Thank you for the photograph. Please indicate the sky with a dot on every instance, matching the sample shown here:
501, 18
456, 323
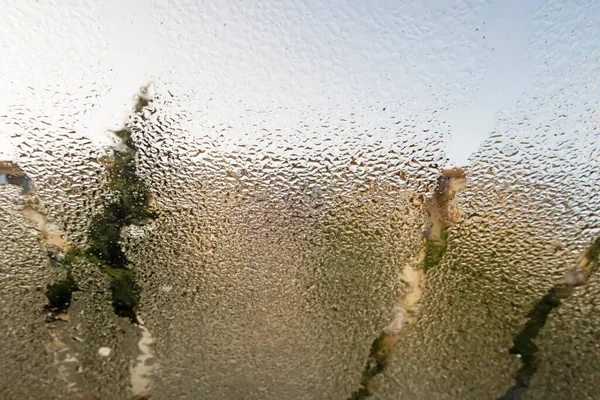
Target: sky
466, 62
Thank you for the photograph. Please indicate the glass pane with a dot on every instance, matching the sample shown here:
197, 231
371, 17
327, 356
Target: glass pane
299, 200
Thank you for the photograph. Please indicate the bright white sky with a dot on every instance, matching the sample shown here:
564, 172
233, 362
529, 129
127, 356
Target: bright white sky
467, 60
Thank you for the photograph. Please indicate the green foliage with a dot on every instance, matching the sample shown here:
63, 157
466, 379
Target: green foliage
60, 293
130, 205
525, 347
375, 366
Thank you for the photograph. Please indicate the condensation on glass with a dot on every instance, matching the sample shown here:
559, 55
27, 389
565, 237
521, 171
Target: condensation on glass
299, 200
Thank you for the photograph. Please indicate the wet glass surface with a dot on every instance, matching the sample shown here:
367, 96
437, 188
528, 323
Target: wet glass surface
299, 200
